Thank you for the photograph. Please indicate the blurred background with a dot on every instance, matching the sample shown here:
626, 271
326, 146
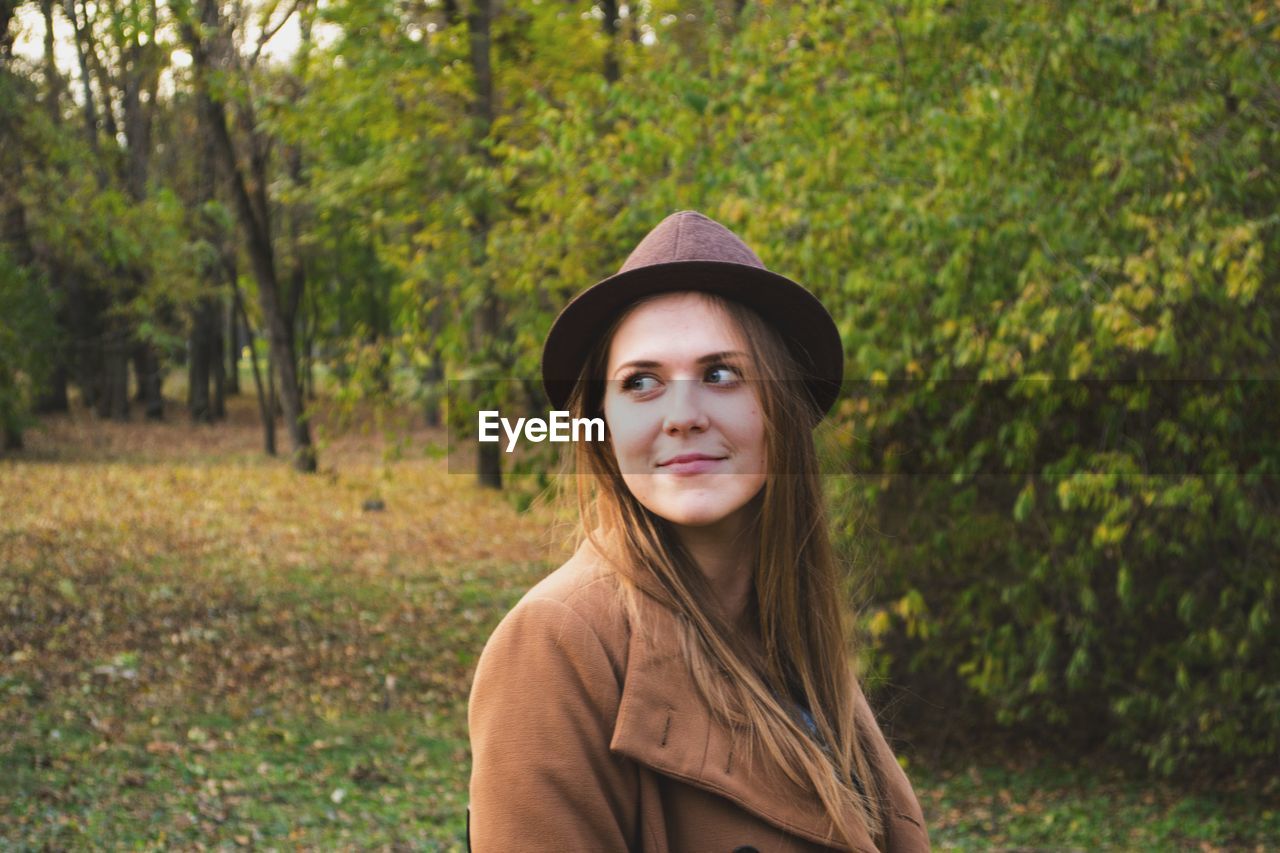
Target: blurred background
244, 246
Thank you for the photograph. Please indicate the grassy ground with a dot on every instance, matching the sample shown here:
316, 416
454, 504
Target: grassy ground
1052, 803
199, 648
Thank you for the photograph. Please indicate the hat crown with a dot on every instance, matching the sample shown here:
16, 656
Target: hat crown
690, 236
691, 252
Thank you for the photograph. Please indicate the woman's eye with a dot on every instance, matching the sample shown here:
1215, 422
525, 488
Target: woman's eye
640, 383
722, 374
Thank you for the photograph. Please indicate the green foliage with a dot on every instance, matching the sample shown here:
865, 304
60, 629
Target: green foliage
1097, 202
27, 338
93, 243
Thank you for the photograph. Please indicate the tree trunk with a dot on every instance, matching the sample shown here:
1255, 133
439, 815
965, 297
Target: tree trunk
264, 411
12, 436
432, 378
10, 418
54, 396
198, 365
233, 347
87, 102
610, 24
479, 22
146, 365
208, 318
15, 236
309, 322
489, 466
217, 365
309, 361
205, 367
113, 386
139, 78
254, 216
53, 96
273, 402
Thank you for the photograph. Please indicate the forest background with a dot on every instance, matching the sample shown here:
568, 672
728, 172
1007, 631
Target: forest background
1047, 232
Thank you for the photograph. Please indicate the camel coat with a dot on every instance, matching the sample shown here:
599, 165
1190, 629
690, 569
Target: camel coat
585, 738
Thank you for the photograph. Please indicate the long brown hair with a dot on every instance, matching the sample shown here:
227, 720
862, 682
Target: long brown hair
803, 651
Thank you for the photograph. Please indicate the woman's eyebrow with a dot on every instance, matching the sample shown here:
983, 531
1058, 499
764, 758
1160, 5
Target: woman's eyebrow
636, 363
727, 355
709, 358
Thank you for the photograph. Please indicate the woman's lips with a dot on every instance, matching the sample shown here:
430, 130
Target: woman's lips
690, 463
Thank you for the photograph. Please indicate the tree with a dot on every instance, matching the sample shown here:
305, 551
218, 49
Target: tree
27, 333
203, 32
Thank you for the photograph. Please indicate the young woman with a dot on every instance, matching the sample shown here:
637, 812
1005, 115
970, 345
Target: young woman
683, 682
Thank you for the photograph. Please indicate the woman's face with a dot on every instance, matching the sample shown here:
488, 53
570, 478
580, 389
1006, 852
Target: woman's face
686, 426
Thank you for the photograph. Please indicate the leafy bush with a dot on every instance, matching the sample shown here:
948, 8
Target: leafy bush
1080, 313
26, 335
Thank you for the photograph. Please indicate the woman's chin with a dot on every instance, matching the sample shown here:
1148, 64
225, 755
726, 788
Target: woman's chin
698, 514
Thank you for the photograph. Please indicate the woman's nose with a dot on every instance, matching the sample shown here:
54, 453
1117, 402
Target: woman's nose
685, 412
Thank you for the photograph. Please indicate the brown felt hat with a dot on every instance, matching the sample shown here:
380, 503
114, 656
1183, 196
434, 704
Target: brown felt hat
689, 251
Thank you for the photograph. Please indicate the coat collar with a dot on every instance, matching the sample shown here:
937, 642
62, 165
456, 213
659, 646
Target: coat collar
663, 724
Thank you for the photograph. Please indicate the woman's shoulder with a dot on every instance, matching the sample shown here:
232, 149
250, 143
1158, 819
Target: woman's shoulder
582, 598
583, 582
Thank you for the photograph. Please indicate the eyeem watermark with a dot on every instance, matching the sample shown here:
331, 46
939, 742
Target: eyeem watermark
558, 427
956, 429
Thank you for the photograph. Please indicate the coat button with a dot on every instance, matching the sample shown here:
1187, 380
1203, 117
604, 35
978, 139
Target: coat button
746, 848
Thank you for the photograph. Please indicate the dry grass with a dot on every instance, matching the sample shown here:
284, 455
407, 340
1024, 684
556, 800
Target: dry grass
147, 490
179, 607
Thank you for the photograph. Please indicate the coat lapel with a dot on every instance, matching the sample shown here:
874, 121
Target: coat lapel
664, 724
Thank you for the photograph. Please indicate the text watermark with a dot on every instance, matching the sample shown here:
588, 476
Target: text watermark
558, 427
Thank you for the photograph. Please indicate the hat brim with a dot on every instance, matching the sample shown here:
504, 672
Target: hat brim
805, 325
